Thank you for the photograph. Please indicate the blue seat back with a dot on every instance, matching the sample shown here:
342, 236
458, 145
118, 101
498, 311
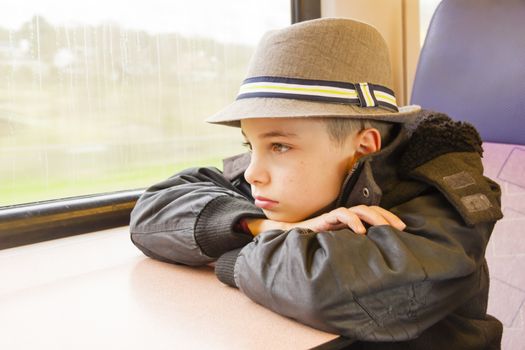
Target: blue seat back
472, 66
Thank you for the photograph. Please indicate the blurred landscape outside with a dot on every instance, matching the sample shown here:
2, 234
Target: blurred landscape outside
88, 109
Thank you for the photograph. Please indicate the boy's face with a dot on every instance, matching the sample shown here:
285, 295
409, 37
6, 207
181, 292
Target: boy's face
296, 170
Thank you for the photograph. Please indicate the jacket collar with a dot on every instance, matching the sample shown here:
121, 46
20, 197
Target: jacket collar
374, 172
417, 142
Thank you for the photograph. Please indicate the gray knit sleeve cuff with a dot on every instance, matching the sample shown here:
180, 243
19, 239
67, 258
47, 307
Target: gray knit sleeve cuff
225, 267
214, 228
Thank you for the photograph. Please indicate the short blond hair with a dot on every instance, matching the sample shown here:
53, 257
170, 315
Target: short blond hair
340, 128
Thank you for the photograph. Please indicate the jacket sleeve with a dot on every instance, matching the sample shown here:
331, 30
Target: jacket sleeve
389, 285
189, 218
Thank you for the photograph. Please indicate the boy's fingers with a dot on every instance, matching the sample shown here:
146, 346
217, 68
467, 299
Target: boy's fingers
350, 219
331, 219
392, 219
353, 218
369, 215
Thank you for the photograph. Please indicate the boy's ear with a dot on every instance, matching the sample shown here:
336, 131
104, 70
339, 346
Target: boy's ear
368, 141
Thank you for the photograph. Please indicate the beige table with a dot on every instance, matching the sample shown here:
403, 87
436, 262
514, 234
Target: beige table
97, 291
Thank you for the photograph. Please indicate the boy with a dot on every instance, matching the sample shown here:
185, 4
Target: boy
349, 214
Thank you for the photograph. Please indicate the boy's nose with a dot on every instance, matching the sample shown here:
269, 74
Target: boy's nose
256, 173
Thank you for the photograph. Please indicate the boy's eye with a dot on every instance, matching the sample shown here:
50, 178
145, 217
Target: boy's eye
247, 145
279, 147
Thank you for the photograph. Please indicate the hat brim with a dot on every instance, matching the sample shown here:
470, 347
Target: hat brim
260, 107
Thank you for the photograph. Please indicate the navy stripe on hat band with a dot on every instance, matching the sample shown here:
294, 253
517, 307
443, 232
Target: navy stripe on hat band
298, 81
361, 94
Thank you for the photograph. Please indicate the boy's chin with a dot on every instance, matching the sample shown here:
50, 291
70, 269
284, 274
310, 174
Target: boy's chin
288, 216
284, 217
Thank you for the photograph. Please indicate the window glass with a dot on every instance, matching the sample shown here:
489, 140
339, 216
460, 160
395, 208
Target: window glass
101, 96
426, 10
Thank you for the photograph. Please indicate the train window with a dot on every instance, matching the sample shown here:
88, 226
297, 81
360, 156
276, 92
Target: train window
110, 95
426, 10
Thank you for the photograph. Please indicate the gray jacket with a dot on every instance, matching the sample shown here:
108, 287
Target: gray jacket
424, 287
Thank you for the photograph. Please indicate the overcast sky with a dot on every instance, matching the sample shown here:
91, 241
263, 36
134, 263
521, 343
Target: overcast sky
226, 20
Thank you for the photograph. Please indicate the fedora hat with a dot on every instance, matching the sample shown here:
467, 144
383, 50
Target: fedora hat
329, 67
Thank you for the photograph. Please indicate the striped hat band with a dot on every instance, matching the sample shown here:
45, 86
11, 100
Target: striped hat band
361, 94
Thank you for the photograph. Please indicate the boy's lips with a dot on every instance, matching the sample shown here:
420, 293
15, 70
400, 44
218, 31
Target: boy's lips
265, 203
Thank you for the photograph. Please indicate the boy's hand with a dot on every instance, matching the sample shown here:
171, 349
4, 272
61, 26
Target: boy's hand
337, 219
352, 218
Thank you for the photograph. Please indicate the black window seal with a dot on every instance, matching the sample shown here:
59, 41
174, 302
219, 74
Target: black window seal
46, 220
303, 10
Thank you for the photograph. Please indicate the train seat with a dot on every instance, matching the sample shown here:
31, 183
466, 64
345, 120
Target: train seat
471, 67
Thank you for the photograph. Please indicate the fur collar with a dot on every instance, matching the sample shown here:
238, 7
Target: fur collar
435, 134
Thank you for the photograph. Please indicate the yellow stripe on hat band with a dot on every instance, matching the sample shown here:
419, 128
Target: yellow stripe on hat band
361, 94
309, 89
383, 96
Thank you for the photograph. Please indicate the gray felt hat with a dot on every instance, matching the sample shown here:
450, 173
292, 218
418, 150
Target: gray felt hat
329, 67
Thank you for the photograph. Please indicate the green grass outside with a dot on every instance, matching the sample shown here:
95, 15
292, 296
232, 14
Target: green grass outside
28, 191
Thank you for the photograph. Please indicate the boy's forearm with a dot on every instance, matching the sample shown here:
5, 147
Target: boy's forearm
189, 218
366, 288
